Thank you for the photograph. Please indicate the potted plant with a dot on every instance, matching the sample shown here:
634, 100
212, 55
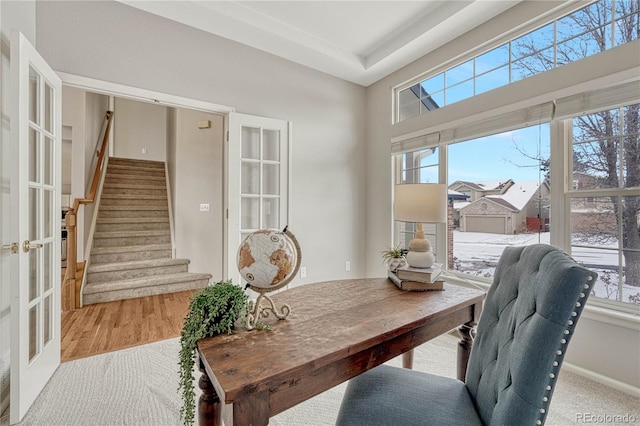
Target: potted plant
393, 257
213, 310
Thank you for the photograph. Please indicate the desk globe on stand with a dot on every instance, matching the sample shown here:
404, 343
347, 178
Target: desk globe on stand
268, 260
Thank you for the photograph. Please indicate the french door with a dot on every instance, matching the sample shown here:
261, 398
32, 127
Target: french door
257, 190
35, 224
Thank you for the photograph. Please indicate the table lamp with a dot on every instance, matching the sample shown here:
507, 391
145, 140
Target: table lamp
420, 203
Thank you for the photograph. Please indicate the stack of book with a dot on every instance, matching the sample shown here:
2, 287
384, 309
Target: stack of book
418, 279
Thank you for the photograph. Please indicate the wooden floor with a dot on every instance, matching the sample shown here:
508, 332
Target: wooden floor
106, 327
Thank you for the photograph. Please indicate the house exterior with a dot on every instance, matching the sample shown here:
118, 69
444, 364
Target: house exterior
503, 207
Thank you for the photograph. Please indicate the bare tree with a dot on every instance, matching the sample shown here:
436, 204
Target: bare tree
606, 144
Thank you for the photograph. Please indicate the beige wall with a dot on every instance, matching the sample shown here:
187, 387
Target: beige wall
197, 170
138, 127
329, 148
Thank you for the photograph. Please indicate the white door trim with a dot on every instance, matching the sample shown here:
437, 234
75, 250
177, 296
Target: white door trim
143, 95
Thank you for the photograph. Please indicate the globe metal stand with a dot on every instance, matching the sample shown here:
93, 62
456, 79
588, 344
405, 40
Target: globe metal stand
256, 310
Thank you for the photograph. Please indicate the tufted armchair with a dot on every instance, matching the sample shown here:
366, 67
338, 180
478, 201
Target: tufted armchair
529, 316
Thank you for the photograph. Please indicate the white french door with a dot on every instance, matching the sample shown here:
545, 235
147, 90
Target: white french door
35, 224
257, 190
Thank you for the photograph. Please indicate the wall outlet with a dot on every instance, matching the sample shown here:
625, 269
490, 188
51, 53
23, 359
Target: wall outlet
347, 266
204, 207
144, 150
303, 272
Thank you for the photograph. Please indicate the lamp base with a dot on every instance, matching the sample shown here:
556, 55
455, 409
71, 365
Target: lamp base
420, 259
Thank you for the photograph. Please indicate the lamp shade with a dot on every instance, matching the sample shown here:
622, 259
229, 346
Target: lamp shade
421, 202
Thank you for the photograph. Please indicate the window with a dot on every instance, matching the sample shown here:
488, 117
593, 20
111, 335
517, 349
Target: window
498, 195
605, 205
585, 32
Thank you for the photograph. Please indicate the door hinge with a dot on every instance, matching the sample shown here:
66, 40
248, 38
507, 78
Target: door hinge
227, 136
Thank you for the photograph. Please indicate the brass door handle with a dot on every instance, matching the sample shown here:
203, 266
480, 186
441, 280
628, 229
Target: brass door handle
27, 245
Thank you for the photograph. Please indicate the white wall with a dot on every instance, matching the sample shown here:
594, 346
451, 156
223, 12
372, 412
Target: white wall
618, 359
21, 16
198, 180
138, 127
104, 40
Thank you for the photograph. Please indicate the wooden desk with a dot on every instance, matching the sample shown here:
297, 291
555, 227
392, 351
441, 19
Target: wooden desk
337, 330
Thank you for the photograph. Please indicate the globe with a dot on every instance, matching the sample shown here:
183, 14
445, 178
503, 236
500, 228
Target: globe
268, 259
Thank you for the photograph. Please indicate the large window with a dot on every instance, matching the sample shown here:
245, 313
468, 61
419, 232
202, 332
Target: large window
605, 200
572, 181
585, 32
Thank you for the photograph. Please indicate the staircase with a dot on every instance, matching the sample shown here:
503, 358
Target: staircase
131, 252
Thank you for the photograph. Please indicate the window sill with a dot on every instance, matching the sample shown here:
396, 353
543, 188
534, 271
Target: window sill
593, 312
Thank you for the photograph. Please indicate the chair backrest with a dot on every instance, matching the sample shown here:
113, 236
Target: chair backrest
528, 318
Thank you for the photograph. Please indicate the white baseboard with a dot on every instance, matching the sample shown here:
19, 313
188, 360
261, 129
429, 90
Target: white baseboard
607, 381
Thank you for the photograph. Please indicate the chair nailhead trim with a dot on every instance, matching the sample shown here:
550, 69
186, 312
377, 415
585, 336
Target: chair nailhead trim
558, 352
542, 411
538, 422
563, 341
555, 363
573, 314
552, 376
578, 304
545, 399
570, 322
589, 278
548, 387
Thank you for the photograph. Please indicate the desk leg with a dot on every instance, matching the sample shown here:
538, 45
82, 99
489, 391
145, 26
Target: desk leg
209, 407
407, 360
464, 348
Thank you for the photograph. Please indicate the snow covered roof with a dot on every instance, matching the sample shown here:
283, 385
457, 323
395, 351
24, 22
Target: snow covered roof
518, 195
488, 185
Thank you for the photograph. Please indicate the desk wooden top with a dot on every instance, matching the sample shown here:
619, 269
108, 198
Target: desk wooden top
329, 321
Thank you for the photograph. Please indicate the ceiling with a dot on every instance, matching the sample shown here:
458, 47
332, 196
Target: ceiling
358, 41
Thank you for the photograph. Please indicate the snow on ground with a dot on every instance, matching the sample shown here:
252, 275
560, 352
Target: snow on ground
477, 253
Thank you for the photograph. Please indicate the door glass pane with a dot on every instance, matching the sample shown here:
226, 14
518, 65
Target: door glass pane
47, 179
270, 213
250, 180
34, 208
48, 108
250, 143
271, 145
33, 96
33, 332
250, 209
48, 321
34, 289
34, 155
47, 212
271, 179
47, 252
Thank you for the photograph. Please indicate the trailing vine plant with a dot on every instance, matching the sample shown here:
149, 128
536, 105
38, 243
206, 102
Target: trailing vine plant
213, 310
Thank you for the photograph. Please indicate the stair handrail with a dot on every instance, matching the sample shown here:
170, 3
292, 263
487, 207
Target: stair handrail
70, 287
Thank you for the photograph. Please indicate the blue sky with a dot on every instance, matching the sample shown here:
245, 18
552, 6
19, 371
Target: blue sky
496, 157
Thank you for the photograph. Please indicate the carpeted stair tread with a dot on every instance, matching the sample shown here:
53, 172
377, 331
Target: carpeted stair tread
132, 283
134, 207
135, 264
121, 234
125, 249
121, 220
134, 197
122, 176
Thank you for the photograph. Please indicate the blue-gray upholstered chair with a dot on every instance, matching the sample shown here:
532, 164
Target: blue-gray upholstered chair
528, 318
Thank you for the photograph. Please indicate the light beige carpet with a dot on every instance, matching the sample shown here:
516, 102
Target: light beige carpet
138, 386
